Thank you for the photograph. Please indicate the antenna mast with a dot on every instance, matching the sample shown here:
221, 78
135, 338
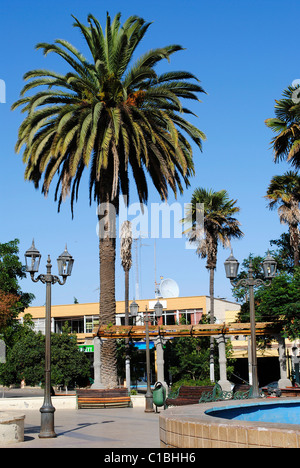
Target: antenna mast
137, 286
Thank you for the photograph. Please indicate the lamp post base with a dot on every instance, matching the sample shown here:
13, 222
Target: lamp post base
149, 403
47, 435
47, 422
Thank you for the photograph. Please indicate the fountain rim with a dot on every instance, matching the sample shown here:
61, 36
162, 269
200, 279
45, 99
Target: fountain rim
191, 426
254, 403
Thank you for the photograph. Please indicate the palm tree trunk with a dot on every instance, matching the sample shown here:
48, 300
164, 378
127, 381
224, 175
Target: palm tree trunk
212, 319
294, 241
107, 254
126, 297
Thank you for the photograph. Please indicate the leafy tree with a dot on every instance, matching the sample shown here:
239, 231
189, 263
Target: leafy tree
284, 254
13, 300
285, 266
241, 292
11, 271
280, 302
69, 366
188, 359
26, 359
7, 301
115, 117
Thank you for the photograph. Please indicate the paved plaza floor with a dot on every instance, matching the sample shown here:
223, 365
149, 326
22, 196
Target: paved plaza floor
118, 428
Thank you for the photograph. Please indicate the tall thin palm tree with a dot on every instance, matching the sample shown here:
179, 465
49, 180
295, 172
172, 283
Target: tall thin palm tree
126, 261
219, 225
116, 117
286, 126
284, 193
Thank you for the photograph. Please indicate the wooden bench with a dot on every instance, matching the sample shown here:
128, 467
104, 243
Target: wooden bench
108, 398
188, 395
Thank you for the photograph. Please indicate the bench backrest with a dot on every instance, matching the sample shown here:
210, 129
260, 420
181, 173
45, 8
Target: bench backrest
193, 392
241, 388
103, 393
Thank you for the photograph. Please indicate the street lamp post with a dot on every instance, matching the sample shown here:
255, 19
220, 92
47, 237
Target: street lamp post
149, 395
65, 265
269, 268
158, 313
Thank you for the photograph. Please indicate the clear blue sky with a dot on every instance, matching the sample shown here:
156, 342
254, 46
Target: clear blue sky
244, 52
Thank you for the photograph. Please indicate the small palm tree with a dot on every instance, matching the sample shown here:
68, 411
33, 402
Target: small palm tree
116, 117
126, 261
219, 226
284, 193
286, 126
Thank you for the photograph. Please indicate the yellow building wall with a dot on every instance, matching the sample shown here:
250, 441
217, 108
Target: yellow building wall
89, 309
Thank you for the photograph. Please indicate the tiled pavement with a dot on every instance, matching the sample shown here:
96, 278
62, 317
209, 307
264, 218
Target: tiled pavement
94, 428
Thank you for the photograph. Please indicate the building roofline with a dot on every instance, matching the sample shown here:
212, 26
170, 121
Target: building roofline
137, 300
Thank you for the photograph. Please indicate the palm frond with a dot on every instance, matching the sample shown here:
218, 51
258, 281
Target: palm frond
108, 115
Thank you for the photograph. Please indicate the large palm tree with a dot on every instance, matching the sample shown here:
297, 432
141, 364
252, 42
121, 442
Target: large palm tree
284, 193
286, 126
215, 211
115, 117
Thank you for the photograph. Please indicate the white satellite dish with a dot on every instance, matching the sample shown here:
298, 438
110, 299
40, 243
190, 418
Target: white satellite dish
169, 288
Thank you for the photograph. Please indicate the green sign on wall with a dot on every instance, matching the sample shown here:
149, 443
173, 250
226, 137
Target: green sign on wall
86, 348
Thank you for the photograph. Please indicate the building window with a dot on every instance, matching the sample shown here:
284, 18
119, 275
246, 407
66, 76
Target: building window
91, 323
39, 325
76, 325
190, 316
122, 320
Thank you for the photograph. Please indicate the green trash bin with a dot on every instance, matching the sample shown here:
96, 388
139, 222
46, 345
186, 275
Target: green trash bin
159, 395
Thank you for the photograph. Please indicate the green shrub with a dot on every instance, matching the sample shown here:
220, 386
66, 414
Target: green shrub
190, 383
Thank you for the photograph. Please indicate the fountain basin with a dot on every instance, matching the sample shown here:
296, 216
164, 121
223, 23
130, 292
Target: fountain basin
286, 412
213, 425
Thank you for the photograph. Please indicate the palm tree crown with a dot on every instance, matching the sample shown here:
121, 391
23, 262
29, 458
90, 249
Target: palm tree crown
284, 193
219, 223
286, 126
109, 116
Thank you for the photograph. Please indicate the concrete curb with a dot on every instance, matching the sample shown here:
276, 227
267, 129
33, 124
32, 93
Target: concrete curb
59, 402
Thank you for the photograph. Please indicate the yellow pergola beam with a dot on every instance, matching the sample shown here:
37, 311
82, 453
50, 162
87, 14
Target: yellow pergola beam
121, 331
